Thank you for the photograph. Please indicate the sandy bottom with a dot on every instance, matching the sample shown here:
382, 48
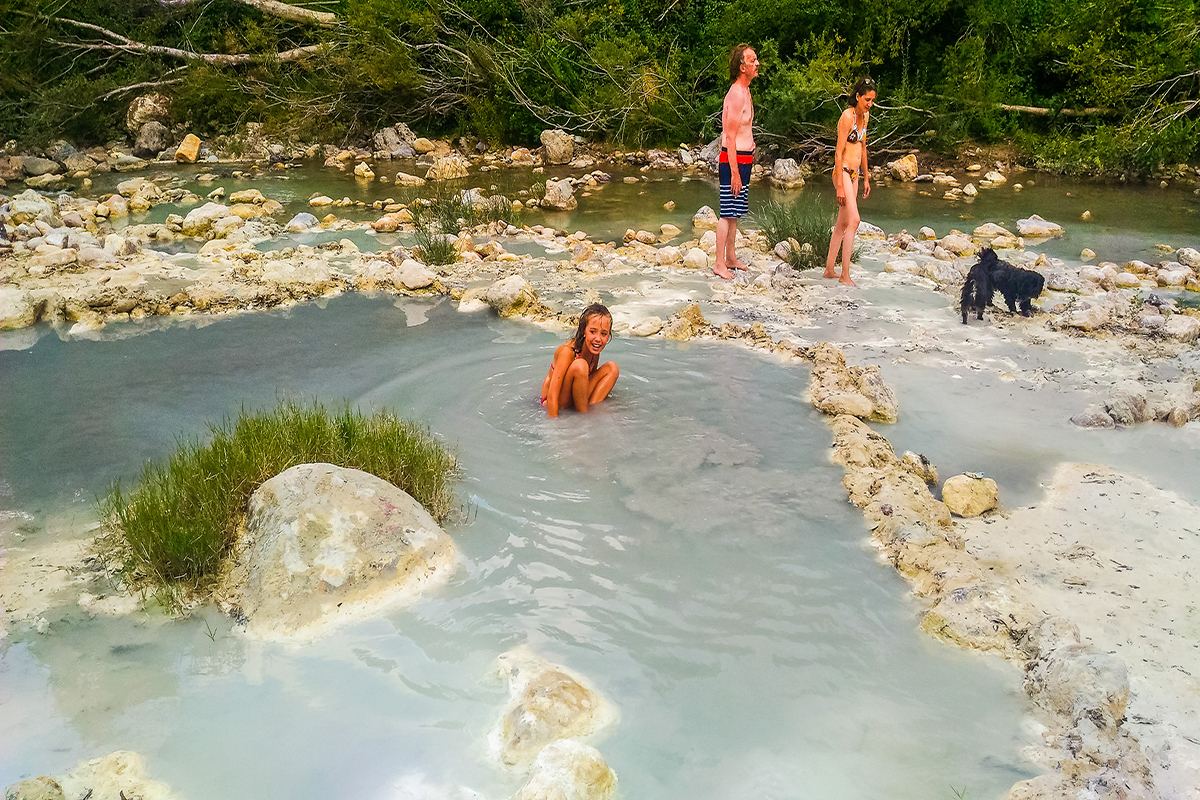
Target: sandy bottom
1121, 559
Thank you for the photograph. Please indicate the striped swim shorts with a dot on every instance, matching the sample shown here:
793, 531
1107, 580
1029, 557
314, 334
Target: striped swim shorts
734, 206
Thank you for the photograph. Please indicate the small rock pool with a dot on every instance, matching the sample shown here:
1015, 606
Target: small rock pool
687, 547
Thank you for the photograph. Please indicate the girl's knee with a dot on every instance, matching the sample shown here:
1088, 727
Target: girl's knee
852, 220
612, 369
578, 367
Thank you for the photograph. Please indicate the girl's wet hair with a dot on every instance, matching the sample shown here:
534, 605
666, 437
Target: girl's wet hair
861, 87
594, 310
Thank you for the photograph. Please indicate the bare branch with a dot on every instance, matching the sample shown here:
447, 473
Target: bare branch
127, 45
1066, 112
145, 85
272, 8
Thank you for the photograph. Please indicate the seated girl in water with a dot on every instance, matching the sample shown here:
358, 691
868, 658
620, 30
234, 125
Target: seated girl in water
577, 377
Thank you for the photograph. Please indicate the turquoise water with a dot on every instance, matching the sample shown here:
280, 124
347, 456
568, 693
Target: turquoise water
688, 547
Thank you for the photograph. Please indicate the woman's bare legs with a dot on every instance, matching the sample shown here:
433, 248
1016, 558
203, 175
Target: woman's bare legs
581, 390
843, 232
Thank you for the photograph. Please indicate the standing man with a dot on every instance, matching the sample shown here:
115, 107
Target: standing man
737, 147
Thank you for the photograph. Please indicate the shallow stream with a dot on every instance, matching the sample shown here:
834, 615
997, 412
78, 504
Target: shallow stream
688, 547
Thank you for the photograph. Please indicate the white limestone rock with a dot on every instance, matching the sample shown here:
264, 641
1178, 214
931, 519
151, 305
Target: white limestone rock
324, 544
447, 168
569, 770
904, 169
1037, 227
558, 147
547, 702
1182, 327
969, 495
17, 309
115, 776
647, 327
695, 258
705, 219
199, 221
510, 296
560, 196
786, 173
413, 275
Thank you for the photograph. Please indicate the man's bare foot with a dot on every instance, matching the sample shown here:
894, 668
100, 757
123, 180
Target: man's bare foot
723, 273
738, 265
845, 281
829, 273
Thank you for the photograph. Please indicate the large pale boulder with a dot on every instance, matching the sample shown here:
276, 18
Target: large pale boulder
324, 543
695, 258
188, 150
33, 166
116, 776
569, 770
17, 309
547, 702
1081, 684
560, 196
705, 219
153, 107
510, 296
200, 221
413, 275
447, 168
29, 206
990, 230
558, 146
904, 169
1036, 227
966, 616
40, 788
1087, 318
301, 222
786, 173
1183, 327
837, 388
685, 323
969, 495
1189, 257
151, 140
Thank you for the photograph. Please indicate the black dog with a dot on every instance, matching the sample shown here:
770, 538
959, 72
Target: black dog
1019, 286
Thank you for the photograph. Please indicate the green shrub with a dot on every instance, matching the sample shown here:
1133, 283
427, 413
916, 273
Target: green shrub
434, 247
173, 530
807, 222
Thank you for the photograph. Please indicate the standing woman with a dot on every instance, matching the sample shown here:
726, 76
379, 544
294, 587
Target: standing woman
849, 166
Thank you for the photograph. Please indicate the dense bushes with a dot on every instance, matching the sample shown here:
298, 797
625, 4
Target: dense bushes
636, 71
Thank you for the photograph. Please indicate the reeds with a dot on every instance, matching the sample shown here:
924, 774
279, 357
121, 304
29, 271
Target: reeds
806, 222
171, 532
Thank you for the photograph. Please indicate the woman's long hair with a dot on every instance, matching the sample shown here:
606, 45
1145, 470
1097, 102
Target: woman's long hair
595, 309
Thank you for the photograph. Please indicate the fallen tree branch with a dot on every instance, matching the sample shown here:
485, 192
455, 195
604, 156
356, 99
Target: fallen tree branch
144, 85
1066, 112
127, 45
272, 8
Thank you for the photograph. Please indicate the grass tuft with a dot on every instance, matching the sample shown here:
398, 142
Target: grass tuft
806, 222
173, 530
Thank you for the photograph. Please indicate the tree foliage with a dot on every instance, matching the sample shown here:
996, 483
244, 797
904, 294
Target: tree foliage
634, 71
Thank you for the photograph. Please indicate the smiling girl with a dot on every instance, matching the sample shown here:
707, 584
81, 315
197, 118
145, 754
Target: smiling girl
577, 377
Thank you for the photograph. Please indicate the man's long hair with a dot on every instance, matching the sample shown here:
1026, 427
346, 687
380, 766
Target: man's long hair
735, 61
